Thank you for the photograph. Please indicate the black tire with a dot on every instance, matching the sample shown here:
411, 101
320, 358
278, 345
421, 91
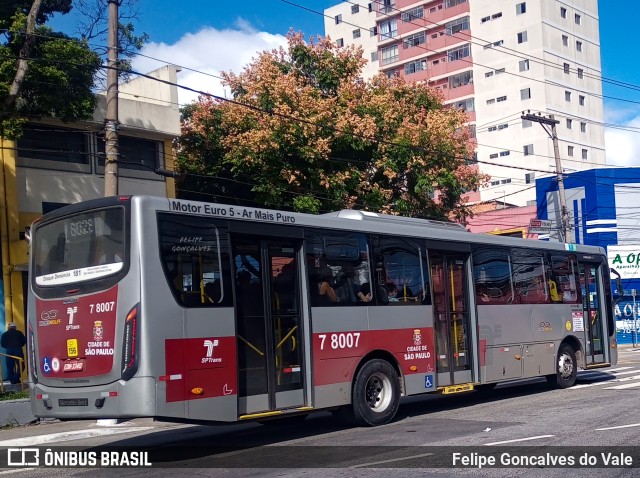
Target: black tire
376, 393
566, 368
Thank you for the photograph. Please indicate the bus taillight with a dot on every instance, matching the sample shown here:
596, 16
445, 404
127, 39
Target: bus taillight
130, 352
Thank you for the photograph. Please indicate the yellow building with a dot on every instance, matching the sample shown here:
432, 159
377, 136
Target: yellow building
54, 164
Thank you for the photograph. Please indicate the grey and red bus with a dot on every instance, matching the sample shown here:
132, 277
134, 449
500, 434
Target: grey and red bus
189, 311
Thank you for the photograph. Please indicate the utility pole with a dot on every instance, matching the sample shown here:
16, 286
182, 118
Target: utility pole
111, 119
565, 225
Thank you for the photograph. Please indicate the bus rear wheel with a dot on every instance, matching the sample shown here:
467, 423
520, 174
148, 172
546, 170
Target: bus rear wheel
376, 393
566, 368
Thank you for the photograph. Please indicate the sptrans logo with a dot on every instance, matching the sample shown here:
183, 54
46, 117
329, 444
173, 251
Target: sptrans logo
53, 458
210, 345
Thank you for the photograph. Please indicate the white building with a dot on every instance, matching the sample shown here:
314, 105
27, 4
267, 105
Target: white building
498, 59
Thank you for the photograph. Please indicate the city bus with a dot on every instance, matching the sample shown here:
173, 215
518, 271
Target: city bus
198, 312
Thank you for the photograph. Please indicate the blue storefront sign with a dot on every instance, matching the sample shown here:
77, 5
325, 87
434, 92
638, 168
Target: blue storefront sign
627, 314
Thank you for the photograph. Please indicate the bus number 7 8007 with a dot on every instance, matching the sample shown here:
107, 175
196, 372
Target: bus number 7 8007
341, 341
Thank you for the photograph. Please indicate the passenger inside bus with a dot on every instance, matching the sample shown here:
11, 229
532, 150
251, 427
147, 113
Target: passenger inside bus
320, 288
364, 294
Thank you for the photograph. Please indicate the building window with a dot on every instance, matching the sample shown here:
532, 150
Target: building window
501, 98
412, 14
136, 154
503, 126
388, 29
414, 40
569, 123
581, 99
578, 19
453, 3
374, 56
355, 8
496, 15
565, 40
498, 43
584, 154
386, 6
458, 53
580, 73
485, 19
373, 31
451, 28
501, 70
415, 67
505, 153
466, 105
583, 127
567, 96
521, 8
338, 19
528, 149
493, 156
570, 151
523, 65
529, 178
488, 74
525, 94
505, 181
563, 12
339, 42
579, 45
566, 68
390, 54
522, 37
356, 33
54, 147
495, 183
491, 101
492, 128
460, 79
527, 123
370, 7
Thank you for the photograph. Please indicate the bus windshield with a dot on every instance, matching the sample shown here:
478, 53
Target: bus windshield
79, 248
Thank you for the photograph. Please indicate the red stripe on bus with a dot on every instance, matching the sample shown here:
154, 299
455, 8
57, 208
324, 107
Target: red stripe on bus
337, 354
207, 363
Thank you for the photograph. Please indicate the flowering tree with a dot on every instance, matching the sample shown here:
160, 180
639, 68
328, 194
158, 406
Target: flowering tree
303, 133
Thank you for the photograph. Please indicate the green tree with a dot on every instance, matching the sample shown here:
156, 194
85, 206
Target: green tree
387, 145
42, 73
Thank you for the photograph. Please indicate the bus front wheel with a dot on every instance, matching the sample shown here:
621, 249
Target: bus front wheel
566, 368
376, 393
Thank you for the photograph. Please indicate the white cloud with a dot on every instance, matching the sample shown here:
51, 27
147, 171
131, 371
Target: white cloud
209, 52
622, 146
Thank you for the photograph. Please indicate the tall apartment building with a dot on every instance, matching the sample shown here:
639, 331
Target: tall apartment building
497, 59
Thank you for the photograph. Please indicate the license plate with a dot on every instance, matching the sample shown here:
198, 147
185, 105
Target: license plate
73, 402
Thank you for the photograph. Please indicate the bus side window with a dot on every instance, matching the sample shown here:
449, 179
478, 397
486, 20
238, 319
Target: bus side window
401, 272
338, 268
195, 260
493, 276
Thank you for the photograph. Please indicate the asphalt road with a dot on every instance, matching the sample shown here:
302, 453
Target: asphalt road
602, 412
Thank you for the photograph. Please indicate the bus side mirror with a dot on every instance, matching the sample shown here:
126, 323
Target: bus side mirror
618, 282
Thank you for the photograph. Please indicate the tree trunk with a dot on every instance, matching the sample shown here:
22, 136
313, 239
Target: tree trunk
25, 51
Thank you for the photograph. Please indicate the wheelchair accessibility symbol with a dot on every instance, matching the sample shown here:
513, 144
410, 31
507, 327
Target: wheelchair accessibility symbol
46, 365
428, 381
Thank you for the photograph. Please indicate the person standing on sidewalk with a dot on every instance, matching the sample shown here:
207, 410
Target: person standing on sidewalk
12, 341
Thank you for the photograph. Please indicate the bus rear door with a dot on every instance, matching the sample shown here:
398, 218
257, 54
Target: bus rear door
596, 338
449, 281
269, 324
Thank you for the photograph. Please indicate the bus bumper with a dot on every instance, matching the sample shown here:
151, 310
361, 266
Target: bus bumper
120, 399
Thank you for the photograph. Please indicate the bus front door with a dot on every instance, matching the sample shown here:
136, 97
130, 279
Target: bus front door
595, 338
451, 317
267, 298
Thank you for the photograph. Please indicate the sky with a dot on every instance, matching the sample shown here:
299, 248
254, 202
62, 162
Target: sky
221, 35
